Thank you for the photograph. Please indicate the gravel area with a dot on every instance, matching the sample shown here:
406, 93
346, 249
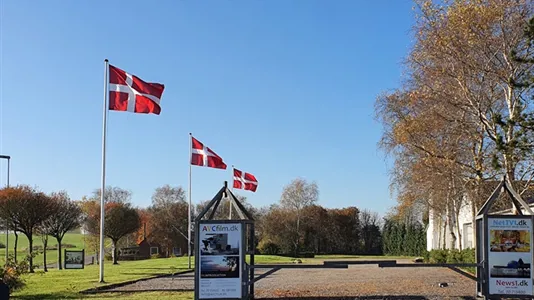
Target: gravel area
356, 282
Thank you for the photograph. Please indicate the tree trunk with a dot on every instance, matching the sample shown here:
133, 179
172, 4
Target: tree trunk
45, 244
451, 223
59, 264
30, 242
444, 245
439, 232
15, 245
297, 238
114, 252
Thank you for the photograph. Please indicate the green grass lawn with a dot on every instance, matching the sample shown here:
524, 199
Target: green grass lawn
66, 284
75, 239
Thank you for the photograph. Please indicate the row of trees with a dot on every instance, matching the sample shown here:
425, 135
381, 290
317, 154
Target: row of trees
464, 115
294, 225
25, 210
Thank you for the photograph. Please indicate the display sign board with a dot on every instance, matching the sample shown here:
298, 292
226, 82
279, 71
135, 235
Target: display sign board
74, 259
221, 260
509, 255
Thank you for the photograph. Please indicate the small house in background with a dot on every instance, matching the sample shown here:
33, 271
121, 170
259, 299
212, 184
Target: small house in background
149, 247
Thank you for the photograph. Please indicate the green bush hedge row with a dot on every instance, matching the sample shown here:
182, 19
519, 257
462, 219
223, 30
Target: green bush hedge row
450, 256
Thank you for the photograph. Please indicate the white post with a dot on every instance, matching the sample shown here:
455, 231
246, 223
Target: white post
230, 200
189, 211
7, 221
103, 186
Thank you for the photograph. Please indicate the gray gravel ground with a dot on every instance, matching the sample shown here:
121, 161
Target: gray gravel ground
356, 282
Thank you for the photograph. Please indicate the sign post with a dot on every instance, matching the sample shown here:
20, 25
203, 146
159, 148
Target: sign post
509, 255
221, 260
74, 259
221, 249
504, 249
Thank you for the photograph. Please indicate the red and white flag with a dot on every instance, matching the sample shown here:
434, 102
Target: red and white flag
245, 181
128, 92
205, 157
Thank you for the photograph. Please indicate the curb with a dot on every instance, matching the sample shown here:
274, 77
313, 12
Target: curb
108, 288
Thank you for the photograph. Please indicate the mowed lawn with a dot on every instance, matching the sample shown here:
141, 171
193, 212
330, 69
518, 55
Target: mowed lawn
76, 239
66, 284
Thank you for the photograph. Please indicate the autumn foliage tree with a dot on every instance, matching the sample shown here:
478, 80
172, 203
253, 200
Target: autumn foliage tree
464, 114
27, 209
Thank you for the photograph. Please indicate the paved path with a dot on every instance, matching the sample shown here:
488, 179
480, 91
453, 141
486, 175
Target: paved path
362, 281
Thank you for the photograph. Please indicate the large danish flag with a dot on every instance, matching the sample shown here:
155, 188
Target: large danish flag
245, 181
205, 157
128, 92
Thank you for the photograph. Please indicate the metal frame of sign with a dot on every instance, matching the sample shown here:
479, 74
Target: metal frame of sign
73, 251
243, 269
246, 247
482, 238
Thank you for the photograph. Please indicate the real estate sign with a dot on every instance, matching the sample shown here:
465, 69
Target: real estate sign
510, 255
221, 260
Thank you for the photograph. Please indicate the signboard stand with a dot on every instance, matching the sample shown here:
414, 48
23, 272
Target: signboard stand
221, 249
74, 259
504, 250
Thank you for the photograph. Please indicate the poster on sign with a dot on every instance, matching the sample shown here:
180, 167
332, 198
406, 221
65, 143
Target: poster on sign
510, 256
220, 260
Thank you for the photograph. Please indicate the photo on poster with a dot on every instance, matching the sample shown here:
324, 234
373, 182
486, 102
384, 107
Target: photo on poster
509, 240
219, 267
219, 244
510, 266
74, 259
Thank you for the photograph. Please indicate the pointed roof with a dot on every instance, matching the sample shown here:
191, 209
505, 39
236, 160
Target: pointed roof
505, 185
224, 193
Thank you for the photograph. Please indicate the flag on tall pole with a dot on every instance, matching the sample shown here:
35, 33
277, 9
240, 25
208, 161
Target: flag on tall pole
245, 181
123, 92
202, 156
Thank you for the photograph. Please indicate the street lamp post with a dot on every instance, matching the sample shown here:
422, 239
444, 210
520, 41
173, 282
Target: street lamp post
7, 222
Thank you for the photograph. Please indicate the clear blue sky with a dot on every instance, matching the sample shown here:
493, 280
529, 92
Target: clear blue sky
278, 88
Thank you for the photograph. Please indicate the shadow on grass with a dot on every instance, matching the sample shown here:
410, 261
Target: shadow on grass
60, 295
396, 297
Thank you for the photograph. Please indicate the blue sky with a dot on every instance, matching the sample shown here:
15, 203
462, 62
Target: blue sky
278, 88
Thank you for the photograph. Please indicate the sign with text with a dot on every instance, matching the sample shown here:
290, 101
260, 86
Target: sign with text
74, 259
510, 256
221, 258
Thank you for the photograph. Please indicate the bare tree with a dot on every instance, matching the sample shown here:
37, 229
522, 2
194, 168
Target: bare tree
296, 196
113, 194
66, 217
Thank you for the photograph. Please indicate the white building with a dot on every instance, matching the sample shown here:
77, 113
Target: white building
438, 228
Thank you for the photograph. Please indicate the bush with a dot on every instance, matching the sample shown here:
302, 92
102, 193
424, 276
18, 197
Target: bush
269, 248
438, 256
11, 273
52, 247
2, 245
452, 256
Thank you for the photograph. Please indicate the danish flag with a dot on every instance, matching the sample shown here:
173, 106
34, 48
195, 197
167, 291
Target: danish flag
245, 181
205, 157
128, 92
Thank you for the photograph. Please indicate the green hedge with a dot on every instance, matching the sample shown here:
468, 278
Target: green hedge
451, 256
454, 256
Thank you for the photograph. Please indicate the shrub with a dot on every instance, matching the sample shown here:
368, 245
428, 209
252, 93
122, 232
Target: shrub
451, 256
438, 256
269, 248
2, 245
11, 273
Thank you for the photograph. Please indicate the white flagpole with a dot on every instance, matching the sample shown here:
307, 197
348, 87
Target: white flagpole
230, 201
189, 214
103, 186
